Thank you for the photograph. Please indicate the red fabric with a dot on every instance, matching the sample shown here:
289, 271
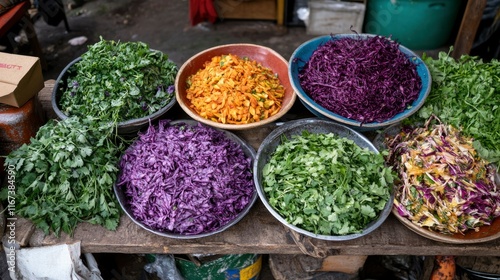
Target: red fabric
202, 10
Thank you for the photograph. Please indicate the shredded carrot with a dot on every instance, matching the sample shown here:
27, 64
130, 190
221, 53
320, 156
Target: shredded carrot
234, 90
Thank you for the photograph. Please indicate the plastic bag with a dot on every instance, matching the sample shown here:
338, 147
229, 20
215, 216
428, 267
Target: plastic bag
393, 267
50, 262
164, 267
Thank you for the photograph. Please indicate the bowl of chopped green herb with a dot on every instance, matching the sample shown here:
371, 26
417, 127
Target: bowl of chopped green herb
323, 179
125, 83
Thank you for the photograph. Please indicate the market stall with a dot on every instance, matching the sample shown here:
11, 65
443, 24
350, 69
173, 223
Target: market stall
258, 232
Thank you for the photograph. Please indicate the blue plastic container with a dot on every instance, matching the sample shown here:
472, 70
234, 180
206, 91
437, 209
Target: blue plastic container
416, 24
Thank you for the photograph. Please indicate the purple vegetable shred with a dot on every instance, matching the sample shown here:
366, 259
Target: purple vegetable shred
368, 80
185, 179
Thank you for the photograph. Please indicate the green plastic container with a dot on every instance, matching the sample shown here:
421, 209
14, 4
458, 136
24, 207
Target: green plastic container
416, 24
224, 267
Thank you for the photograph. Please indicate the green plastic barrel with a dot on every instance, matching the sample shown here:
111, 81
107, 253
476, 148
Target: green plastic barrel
416, 24
225, 267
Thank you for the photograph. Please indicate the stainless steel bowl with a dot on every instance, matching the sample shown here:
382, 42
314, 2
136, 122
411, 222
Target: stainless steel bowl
249, 152
313, 125
128, 127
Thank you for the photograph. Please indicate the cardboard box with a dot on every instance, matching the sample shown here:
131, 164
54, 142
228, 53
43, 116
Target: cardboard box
21, 78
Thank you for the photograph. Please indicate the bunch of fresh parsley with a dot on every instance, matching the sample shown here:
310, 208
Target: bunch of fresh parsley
465, 93
66, 175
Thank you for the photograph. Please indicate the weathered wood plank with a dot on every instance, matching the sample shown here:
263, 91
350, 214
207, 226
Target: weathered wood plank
257, 9
259, 232
23, 230
45, 98
468, 27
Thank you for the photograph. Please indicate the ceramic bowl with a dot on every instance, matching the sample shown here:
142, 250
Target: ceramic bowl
264, 55
312, 125
304, 52
485, 233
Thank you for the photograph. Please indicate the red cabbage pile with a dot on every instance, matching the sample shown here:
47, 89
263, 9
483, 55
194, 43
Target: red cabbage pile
185, 179
368, 80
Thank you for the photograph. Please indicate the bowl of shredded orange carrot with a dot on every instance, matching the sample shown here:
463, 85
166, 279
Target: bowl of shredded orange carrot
235, 86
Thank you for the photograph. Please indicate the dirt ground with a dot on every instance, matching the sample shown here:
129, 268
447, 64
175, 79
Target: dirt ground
163, 25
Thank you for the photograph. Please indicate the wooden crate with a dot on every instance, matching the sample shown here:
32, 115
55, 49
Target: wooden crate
246, 9
285, 267
332, 17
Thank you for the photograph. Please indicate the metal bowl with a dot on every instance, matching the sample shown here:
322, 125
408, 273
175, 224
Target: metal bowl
128, 127
264, 55
249, 152
304, 52
312, 125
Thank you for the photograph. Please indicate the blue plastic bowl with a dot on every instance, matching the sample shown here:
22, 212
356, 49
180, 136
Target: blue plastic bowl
302, 55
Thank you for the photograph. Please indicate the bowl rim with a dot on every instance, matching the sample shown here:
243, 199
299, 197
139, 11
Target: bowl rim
248, 150
276, 134
192, 114
62, 79
311, 104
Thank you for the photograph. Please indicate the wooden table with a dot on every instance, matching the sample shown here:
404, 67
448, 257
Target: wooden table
258, 232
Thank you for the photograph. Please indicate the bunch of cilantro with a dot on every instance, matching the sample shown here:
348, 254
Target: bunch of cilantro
118, 81
465, 93
65, 175
327, 184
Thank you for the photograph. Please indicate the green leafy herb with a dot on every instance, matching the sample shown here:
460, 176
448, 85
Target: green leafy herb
117, 81
327, 184
66, 175
466, 94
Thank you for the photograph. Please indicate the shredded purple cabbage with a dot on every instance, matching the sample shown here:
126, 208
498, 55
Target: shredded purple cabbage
185, 179
368, 80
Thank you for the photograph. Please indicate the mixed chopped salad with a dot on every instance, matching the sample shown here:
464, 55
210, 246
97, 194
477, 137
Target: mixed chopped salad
444, 185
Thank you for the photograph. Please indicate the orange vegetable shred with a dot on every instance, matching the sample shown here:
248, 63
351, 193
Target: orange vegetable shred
234, 90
